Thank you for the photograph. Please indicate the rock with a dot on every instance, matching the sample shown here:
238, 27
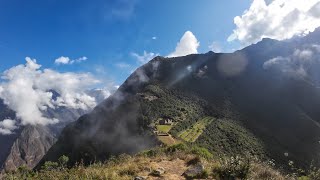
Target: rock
148, 169
140, 178
158, 172
194, 171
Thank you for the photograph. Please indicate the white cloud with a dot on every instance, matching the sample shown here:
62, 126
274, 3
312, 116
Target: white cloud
154, 38
215, 47
80, 59
123, 65
67, 60
7, 126
27, 89
279, 19
188, 44
62, 60
145, 57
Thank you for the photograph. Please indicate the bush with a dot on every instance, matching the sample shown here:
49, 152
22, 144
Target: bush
177, 147
314, 173
63, 161
231, 168
265, 170
194, 161
202, 152
49, 165
150, 153
204, 174
25, 172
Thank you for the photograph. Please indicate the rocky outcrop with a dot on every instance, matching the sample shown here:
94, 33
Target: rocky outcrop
28, 149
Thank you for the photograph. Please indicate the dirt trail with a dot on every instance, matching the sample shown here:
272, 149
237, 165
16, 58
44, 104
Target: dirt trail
173, 169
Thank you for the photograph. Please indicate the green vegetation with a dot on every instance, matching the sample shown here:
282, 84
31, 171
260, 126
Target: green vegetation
172, 104
191, 134
227, 137
202, 152
195, 122
233, 167
167, 140
164, 128
174, 159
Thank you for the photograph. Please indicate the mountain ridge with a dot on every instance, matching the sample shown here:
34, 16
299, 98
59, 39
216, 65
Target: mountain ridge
234, 88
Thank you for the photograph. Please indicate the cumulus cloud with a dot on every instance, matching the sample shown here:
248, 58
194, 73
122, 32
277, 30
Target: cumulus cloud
188, 44
67, 60
145, 57
278, 19
300, 64
215, 47
7, 126
29, 91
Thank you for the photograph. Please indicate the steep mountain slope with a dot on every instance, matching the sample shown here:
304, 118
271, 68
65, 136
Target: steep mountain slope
30, 146
30, 143
263, 100
6, 141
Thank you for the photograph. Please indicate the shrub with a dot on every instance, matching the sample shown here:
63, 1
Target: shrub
150, 153
263, 170
202, 152
194, 161
177, 147
49, 165
24, 172
23, 169
124, 157
233, 168
314, 173
63, 161
204, 174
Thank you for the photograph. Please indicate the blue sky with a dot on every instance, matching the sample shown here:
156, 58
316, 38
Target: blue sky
112, 34
108, 32
86, 44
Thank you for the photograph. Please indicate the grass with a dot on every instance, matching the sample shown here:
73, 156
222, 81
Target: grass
164, 128
191, 134
168, 140
174, 159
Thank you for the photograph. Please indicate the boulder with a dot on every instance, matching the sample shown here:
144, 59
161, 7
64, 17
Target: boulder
194, 171
158, 172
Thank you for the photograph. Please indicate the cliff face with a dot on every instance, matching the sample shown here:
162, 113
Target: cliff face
30, 143
6, 141
28, 149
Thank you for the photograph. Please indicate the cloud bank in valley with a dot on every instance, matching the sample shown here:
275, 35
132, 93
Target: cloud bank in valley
7, 126
278, 19
29, 91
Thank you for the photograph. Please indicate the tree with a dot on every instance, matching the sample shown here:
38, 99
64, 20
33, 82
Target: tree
63, 161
